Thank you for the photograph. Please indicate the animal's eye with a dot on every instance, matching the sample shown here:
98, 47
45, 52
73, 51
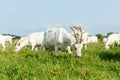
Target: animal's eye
18, 44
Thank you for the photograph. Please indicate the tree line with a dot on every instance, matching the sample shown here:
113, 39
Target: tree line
99, 35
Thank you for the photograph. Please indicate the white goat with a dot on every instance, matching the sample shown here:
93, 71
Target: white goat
104, 40
60, 38
23, 41
32, 39
111, 39
8, 38
2, 41
84, 36
92, 39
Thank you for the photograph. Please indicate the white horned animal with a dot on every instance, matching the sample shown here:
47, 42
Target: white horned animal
84, 36
32, 39
59, 38
111, 39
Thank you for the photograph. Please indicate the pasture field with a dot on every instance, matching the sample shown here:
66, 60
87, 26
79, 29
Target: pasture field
95, 64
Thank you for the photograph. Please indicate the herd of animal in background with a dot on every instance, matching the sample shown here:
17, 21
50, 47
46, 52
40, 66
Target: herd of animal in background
4, 39
59, 38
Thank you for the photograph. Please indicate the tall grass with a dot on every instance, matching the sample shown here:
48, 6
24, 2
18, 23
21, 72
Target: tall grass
96, 63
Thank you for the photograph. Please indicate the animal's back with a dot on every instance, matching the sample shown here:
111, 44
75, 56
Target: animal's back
50, 36
57, 36
36, 37
113, 37
2, 38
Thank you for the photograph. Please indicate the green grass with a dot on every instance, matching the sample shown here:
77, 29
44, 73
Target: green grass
95, 64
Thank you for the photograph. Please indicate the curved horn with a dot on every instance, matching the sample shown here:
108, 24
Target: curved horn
75, 35
81, 34
78, 28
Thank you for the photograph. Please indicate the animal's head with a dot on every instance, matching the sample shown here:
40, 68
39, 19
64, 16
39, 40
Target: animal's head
78, 41
21, 43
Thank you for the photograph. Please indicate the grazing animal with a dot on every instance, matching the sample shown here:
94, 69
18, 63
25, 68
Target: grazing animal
8, 38
23, 41
111, 39
84, 36
2, 41
104, 40
92, 39
85, 39
32, 39
59, 38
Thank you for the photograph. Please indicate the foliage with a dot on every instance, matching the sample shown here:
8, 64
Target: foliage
109, 33
14, 36
95, 64
100, 36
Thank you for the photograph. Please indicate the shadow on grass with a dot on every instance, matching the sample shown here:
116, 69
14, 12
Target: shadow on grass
105, 55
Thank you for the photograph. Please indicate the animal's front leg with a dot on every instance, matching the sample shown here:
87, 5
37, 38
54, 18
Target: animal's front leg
33, 47
69, 50
3, 45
